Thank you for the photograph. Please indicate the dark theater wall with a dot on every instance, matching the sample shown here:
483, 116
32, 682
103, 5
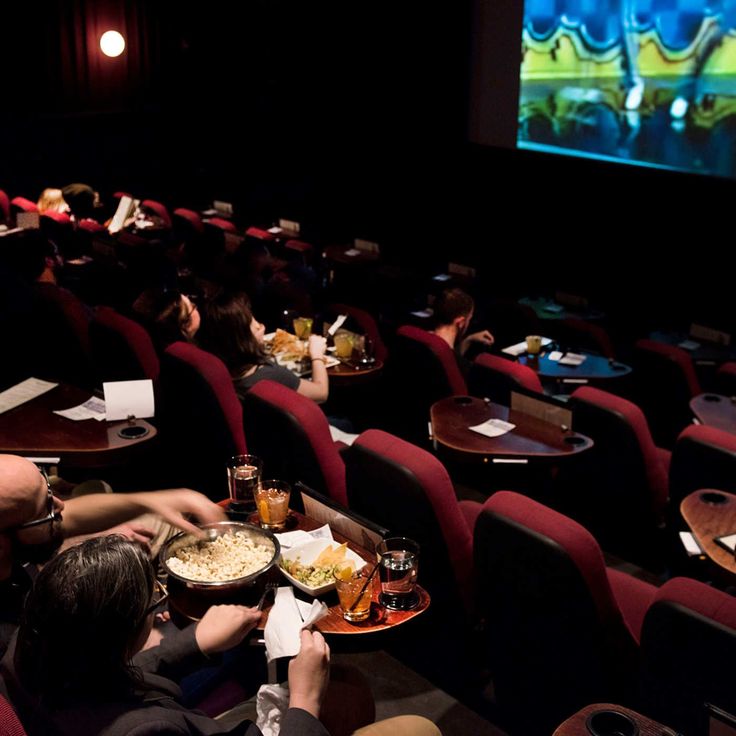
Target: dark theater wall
352, 117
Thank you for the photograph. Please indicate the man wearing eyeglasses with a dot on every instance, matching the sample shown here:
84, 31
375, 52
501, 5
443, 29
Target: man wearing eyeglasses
34, 523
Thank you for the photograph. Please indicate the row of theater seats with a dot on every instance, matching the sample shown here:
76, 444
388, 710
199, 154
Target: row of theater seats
185, 222
662, 383
623, 489
619, 489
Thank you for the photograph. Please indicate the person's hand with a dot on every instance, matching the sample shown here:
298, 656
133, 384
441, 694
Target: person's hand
317, 346
224, 627
309, 673
172, 506
484, 337
135, 533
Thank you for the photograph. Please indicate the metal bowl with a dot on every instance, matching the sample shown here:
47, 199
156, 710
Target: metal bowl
184, 539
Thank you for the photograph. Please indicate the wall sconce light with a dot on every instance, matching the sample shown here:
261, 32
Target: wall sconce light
112, 43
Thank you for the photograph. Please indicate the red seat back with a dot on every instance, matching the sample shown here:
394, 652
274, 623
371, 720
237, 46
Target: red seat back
688, 646
408, 491
556, 636
291, 434
158, 209
21, 204
618, 489
201, 418
495, 377
123, 350
10, 725
665, 381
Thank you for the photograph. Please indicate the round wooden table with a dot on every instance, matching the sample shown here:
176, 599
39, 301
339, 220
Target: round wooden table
32, 429
353, 373
716, 411
593, 368
711, 513
531, 439
339, 254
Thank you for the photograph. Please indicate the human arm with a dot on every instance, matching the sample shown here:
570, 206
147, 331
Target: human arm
309, 673
224, 627
484, 337
181, 652
99, 511
318, 388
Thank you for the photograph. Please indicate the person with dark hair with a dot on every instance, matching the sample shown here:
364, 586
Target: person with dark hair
233, 334
34, 522
74, 669
168, 315
453, 312
82, 200
33, 257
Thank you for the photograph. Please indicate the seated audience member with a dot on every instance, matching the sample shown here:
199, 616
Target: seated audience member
83, 201
74, 670
168, 315
34, 523
452, 313
52, 200
230, 331
32, 257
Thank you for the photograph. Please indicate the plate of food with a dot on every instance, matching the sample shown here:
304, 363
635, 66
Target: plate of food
310, 566
285, 346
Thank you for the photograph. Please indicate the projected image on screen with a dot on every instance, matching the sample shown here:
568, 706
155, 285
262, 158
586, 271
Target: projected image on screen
646, 81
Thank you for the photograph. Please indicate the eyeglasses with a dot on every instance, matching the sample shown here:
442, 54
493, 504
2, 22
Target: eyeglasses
52, 514
160, 596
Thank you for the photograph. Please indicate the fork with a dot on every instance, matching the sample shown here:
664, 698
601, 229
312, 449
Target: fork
268, 589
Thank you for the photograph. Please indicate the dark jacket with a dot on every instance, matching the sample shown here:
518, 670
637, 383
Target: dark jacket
154, 709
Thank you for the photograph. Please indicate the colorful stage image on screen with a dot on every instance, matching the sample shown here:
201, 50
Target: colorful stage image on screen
643, 81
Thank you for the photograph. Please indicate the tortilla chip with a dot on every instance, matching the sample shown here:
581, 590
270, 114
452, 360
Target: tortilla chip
329, 556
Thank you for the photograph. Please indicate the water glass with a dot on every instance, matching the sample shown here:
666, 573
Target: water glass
243, 475
399, 565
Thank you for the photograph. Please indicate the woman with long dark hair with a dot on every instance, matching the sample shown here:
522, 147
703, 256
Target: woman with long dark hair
231, 331
74, 669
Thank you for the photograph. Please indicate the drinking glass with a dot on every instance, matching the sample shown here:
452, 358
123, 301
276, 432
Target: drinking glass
343, 345
533, 344
272, 503
354, 590
399, 565
303, 327
243, 475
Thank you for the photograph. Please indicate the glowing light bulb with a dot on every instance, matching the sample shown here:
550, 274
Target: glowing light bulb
112, 43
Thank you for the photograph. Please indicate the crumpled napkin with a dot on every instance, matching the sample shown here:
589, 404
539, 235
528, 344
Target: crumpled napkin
285, 622
272, 702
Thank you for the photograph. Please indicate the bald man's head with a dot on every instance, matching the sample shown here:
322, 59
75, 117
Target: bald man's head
22, 491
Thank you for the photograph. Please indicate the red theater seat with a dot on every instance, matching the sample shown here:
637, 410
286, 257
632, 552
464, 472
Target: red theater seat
21, 204
422, 370
665, 381
158, 209
122, 349
9, 723
187, 221
495, 377
201, 419
619, 488
688, 646
408, 491
291, 434
562, 630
